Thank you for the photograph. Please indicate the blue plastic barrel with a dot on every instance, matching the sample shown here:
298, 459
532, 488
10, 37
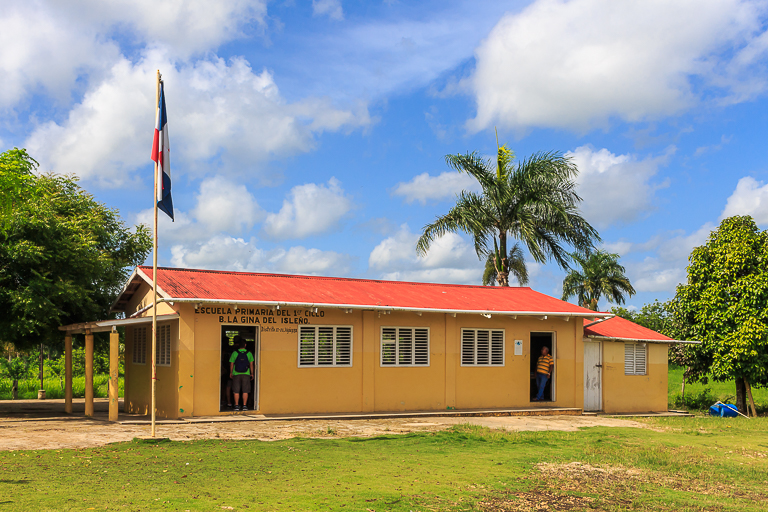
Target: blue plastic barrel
724, 410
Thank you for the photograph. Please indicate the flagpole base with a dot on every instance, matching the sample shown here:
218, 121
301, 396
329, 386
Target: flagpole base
150, 439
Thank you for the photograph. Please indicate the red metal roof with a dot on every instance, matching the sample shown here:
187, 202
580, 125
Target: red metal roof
210, 285
622, 328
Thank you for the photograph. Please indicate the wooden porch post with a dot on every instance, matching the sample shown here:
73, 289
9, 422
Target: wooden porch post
88, 373
114, 355
68, 373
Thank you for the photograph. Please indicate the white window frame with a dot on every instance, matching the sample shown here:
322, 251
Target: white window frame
630, 358
163, 347
397, 344
490, 363
335, 339
137, 346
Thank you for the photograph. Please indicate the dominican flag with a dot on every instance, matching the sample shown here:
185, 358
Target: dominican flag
161, 154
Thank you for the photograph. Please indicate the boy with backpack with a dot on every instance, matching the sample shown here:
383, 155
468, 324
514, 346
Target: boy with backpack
241, 372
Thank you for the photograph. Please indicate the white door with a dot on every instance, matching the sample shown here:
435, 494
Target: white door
593, 381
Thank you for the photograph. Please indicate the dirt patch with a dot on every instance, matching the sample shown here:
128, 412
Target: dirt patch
536, 500
619, 486
30, 425
81, 433
580, 470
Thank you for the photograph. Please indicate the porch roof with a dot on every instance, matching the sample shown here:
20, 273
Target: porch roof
108, 325
621, 329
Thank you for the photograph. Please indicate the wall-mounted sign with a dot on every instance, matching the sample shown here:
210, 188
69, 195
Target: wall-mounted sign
518, 347
228, 315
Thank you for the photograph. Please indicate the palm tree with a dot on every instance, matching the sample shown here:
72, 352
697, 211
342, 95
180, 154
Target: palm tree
533, 201
601, 275
516, 267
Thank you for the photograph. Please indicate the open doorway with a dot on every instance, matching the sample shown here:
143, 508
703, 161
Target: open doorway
540, 340
228, 346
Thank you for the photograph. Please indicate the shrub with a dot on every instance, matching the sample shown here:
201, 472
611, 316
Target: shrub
697, 401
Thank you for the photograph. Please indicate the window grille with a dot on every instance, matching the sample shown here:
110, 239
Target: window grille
140, 345
404, 346
482, 347
635, 358
325, 345
163, 347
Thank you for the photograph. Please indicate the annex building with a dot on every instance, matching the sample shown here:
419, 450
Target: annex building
332, 345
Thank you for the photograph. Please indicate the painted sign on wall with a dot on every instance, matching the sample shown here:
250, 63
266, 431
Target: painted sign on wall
261, 316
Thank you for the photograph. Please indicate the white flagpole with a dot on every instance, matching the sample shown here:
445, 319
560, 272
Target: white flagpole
154, 274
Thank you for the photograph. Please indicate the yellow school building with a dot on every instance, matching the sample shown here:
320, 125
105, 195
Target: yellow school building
327, 345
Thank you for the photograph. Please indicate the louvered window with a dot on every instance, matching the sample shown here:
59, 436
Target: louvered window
163, 347
635, 359
404, 346
325, 345
482, 347
140, 345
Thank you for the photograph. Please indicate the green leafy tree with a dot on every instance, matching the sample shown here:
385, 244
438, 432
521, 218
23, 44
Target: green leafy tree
57, 368
533, 201
600, 276
63, 255
654, 316
16, 369
725, 306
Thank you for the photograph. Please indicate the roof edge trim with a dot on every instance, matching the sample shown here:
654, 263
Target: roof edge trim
613, 338
148, 280
390, 308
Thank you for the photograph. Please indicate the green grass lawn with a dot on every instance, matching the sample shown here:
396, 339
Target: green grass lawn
681, 464
701, 396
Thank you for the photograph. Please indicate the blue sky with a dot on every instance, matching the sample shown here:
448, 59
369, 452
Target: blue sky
309, 136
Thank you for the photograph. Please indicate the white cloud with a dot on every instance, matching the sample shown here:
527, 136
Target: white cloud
451, 259
749, 198
39, 52
577, 64
679, 247
621, 247
228, 253
49, 45
423, 188
664, 258
300, 260
186, 27
222, 207
659, 280
226, 206
615, 187
330, 8
219, 253
310, 209
217, 110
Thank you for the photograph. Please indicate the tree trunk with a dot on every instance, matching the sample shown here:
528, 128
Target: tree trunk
749, 395
741, 396
503, 276
683, 389
15, 390
42, 370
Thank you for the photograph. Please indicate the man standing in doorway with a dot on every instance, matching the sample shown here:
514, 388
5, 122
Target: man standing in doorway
543, 372
241, 372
